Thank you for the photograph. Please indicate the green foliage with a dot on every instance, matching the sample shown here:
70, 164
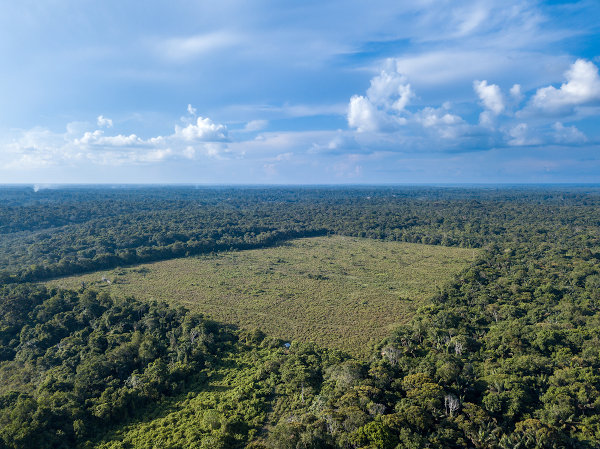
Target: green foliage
60, 232
507, 355
88, 361
341, 292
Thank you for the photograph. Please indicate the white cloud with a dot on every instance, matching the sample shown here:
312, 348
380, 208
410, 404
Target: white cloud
490, 96
487, 119
567, 134
383, 110
104, 122
390, 91
203, 130
363, 115
97, 138
492, 100
515, 92
256, 125
385, 101
582, 87
33, 148
191, 110
440, 120
382, 122
432, 117
40, 147
519, 136
214, 149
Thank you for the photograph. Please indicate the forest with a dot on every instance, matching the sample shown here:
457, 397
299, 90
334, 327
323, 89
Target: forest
505, 354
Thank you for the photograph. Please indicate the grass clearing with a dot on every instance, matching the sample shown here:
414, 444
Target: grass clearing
339, 292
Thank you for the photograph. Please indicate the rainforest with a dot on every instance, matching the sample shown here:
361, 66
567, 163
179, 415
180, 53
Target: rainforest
393, 317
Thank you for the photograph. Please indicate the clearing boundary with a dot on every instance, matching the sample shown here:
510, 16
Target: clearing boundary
341, 292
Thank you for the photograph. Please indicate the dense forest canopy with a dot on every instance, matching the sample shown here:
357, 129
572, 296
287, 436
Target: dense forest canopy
56, 232
505, 356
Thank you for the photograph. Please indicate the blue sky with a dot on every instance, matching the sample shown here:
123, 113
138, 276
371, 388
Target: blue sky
311, 92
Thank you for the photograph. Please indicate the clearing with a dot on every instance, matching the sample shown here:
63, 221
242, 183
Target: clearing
340, 292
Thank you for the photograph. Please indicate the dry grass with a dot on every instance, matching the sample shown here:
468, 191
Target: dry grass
340, 292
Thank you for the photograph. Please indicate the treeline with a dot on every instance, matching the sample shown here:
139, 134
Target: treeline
60, 232
238, 240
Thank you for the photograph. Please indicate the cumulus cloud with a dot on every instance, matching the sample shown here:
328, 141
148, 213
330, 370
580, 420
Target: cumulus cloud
431, 117
41, 147
491, 99
382, 107
383, 110
519, 136
203, 130
97, 138
440, 120
582, 87
382, 121
363, 115
515, 91
523, 134
390, 90
104, 122
567, 134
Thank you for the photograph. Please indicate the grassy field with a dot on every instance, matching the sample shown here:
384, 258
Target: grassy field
340, 292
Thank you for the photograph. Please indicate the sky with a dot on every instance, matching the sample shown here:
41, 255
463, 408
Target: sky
299, 92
